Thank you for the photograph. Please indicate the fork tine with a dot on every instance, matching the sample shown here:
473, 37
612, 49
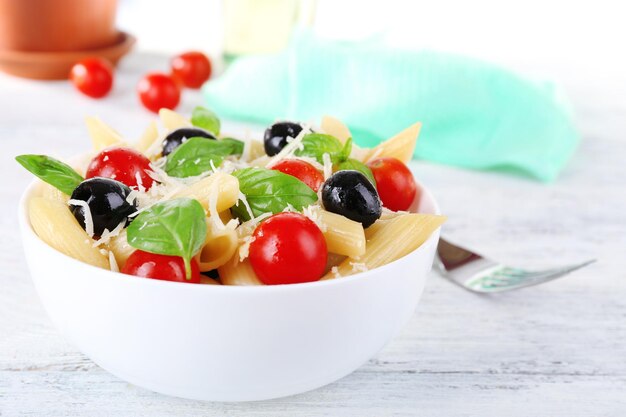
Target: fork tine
489, 284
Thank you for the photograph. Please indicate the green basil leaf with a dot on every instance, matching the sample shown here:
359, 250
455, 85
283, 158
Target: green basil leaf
173, 227
236, 143
195, 155
315, 145
206, 119
353, 164
345, 151
52, 171
269, 191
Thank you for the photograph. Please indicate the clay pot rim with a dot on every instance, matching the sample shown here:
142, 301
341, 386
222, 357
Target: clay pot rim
124, 41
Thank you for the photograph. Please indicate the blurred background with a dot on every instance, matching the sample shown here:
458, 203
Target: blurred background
578, 44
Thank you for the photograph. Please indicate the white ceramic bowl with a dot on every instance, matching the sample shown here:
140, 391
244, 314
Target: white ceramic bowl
221, 343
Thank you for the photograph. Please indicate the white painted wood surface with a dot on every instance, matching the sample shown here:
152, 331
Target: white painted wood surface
554, 350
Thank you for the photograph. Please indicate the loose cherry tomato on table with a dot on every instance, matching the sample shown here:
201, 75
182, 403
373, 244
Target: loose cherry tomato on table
122, 164
92, 77
157, 91
395, 183
288, 248
302, 170
191, 68
163, 267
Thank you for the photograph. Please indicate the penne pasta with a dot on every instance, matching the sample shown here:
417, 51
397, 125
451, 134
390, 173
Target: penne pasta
172, 120
148, 139
257, 149
208, 281
172, 198
54, 224
226, 216
102, 135
118, 245
227, 192
336, 128
343, 236
47, 191
219, 247
382, 247
400, 146
234, 272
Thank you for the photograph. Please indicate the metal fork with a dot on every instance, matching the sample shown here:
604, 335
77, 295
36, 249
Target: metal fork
478, 274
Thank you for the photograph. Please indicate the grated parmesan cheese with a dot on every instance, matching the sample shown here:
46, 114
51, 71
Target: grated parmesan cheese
312, 212
289, 149
328, 165
244, 200
359, 267
244, 249
113, 263
335, 271
86, 215
106, 235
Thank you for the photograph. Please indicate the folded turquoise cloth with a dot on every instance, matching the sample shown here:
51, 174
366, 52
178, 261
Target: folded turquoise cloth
475, 115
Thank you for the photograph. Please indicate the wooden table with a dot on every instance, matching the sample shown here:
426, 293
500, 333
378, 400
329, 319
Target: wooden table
554, 350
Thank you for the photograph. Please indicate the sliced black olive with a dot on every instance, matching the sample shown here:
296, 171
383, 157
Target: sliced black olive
276, 135
108, 204
352, 195
178, 136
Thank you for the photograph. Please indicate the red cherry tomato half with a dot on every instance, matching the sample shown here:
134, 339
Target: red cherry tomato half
92, 77
157, 91
303, 171
121, 164
288, 248
163, 267
394, 182
191, 68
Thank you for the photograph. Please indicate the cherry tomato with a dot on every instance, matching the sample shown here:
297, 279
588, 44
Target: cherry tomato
303, 171
92, 77
288, 248
157, 91
394, 182
167, 268
122, 164
191, 68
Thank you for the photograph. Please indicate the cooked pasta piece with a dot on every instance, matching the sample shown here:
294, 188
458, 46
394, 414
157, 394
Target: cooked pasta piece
102, 135
394, 239
336, 128
48, 191
172, 120
234, 272
373, 229
118, 245
226, 216
54, 224
257, 149
227, 191
219, 247
148, 138
343, 236
400, 146
208, 281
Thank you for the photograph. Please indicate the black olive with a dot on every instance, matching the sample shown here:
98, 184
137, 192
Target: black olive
178, 136
107, 202
276, 135
352, 195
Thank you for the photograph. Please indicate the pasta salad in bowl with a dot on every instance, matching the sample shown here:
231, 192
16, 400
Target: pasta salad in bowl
349, 227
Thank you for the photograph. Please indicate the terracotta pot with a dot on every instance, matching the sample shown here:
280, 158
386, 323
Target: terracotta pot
57, 25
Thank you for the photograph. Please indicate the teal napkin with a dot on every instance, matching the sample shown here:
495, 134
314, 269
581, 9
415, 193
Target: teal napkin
475, 115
